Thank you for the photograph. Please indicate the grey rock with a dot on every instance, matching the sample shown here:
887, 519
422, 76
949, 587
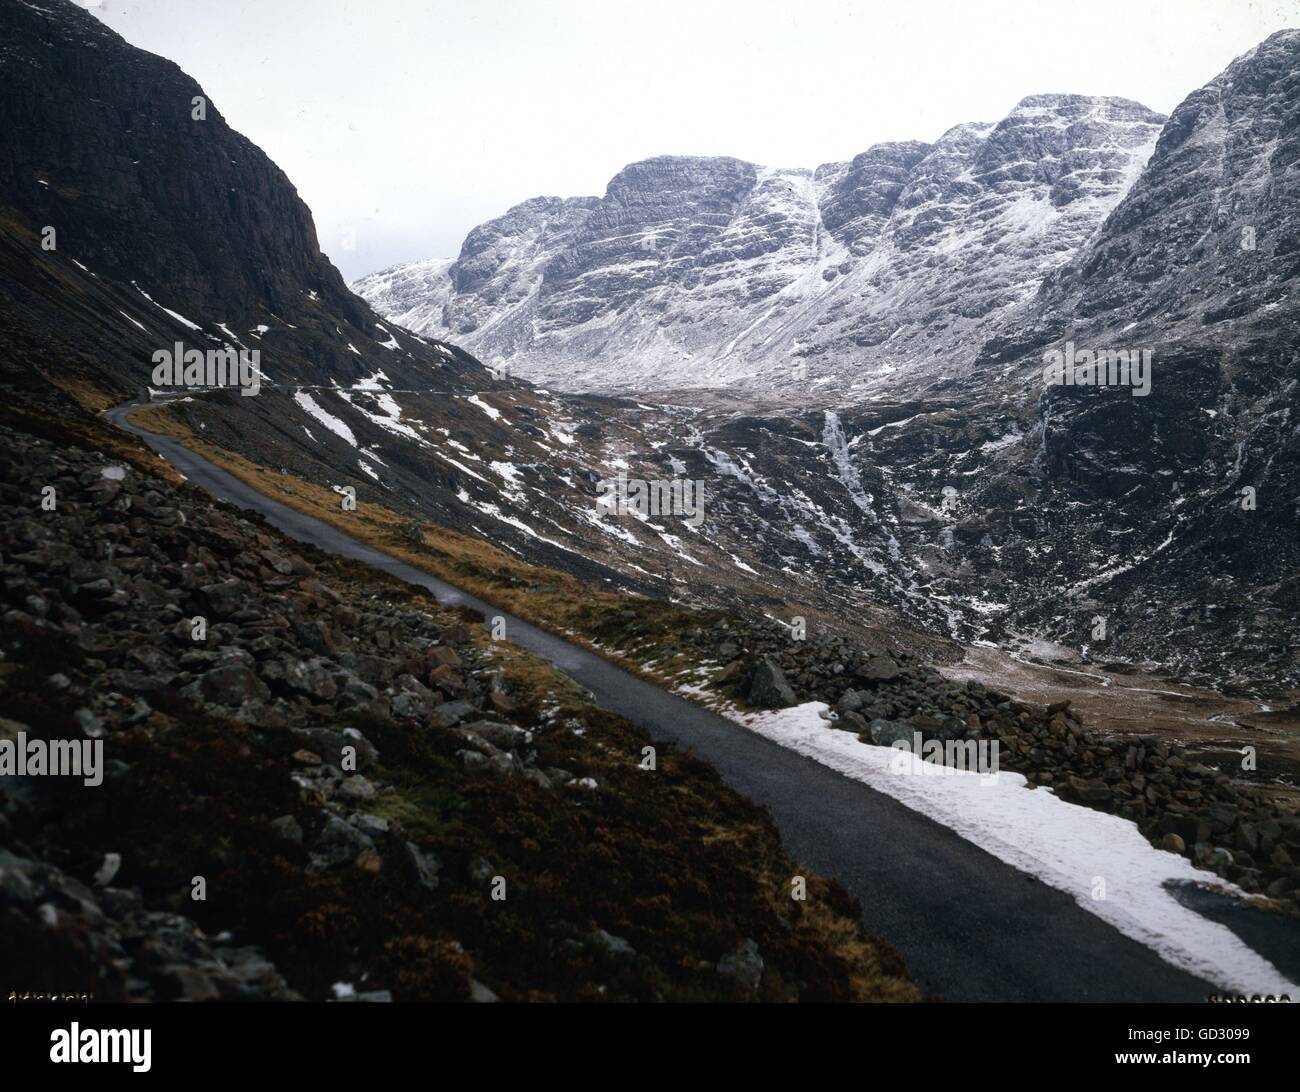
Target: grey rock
768, 688
339, 843
745, 965
423, 865
287, 829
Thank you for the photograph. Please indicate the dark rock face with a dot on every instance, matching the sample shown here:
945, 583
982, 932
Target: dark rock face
101, 134
859, 197
167, 227
1172, 515
1209, 234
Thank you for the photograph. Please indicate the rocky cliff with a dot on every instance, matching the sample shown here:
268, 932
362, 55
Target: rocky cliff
133, 216
707, 272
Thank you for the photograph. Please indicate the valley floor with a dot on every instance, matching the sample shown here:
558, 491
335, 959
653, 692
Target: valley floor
973, 923
1212, 725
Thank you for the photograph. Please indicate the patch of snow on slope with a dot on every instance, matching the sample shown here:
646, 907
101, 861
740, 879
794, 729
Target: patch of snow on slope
513, 478
179, 318
334, 424
390, 419
491, 411
490, 509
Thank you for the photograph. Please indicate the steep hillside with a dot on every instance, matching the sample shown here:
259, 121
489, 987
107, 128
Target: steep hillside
379, 802
128, 223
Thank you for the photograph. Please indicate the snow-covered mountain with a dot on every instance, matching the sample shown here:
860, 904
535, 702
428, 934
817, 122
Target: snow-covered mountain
713, 271
956, 487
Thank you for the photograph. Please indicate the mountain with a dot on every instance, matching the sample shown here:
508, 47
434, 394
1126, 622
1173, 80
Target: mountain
956, 495
128, 223
1175, 513
713, 272
951, 484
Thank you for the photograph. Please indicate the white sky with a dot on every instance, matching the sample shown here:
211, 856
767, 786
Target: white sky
410, 121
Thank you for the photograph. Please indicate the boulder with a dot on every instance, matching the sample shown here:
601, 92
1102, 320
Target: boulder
745, 965
768, 688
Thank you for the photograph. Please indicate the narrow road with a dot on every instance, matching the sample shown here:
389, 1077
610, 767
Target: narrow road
970, 927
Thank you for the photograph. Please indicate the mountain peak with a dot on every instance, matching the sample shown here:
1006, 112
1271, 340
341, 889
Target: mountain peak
706, 269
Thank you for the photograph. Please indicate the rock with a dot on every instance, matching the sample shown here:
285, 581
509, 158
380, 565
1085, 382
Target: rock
853, 722
408, 705
768, 688
612, 945
287, 829
480, 994
879, 669
90, 725
340, 843
451, 713
231, 686
503, 703
276, 562
442, 655
850, 702
107, 870
226, 598
1088, 791
422, 865
373, 825
885, 733
357, 788
472, 761
538, 778
745, 965
369, 860
447, 679
311, 677
506, 736
1173, 843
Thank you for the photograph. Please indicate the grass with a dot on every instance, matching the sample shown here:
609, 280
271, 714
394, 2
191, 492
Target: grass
552, 600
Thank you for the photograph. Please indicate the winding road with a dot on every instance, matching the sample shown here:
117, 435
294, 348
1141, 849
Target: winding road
970, 927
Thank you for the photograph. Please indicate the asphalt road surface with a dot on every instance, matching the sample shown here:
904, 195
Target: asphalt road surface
970, 927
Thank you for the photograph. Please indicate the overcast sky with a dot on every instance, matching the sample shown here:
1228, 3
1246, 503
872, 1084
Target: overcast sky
410, 121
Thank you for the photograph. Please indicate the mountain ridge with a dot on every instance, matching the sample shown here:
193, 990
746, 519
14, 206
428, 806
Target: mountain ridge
811, 266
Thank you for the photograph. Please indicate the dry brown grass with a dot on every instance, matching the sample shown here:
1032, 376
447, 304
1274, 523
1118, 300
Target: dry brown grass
552, 600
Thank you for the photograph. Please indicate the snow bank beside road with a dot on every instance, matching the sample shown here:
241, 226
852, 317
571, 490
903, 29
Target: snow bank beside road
1064, 845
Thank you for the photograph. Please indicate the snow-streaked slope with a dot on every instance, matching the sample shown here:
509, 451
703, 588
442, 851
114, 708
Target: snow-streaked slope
713, 271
